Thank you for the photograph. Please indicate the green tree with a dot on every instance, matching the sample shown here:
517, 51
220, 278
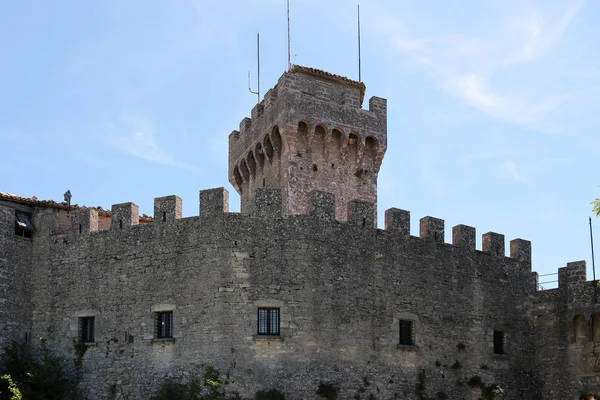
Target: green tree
596, 205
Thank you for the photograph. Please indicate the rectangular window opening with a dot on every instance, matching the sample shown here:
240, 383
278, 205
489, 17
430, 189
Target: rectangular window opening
164, 325
23, 225
164, 216
407, 332
86, 329
268, 321
499, 342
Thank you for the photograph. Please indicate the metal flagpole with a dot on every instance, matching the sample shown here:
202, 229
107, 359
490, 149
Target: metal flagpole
592, 243
288, 35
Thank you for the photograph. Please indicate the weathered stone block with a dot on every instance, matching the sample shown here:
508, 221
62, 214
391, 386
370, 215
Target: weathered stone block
397, 220
493, 243
520, 250
267, 202
361, 213
463, 236
167, 209
432, 229
124, 215
84, 221
214, 201
322, 205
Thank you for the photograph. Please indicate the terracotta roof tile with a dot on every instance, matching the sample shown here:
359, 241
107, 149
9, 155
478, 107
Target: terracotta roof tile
34, 201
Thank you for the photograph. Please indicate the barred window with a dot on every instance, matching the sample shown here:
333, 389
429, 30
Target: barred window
268, 321
164, 325
499, 341
407, 332
86, 329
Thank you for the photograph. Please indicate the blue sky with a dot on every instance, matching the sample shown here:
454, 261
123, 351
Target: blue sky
493, 106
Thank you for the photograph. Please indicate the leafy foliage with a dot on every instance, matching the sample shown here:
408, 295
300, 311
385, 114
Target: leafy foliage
171, 389
327, 390
211, 387
596, 206
31, 378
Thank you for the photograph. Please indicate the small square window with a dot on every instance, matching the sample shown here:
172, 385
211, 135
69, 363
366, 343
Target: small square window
164, 325
86, 329
407, 332
23, 225
268, 321
499, 342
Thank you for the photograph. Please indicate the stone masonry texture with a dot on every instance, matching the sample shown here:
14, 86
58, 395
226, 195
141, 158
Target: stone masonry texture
306, 242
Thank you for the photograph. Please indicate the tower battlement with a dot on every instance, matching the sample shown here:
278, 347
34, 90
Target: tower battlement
310, 132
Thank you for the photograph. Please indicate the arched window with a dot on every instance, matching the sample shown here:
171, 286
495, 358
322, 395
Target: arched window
303, 129
371, 146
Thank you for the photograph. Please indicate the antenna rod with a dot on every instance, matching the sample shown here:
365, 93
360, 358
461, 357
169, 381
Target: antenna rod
258, 63
257, 93
359, 72
288, 37
592, 242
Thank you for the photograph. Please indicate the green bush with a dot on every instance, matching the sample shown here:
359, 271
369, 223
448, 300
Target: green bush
327, 390
34, 378
171, 389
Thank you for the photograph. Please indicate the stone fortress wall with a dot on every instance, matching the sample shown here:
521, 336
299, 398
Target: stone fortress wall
343, 289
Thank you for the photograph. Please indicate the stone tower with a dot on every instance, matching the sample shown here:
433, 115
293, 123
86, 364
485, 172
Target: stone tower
310, 132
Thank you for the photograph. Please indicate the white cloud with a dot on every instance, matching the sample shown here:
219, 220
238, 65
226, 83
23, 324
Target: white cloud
480, 68
135, 136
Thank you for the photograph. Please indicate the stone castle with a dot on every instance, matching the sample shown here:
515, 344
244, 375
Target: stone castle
300, 288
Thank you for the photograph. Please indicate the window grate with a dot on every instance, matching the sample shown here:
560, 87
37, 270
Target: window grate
407, 332
164, 325
499, 341
86, 329
268, 321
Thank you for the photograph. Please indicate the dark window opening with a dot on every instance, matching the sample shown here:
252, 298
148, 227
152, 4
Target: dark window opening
407, 332
86, 329
121, 223
164, 325
499, 339
364, 222
80, 228
164, 216
268, 321
315, 167
263, 182
23, 225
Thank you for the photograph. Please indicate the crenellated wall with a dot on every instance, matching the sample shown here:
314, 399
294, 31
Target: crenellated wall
310, 133
342, 287
306, 242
